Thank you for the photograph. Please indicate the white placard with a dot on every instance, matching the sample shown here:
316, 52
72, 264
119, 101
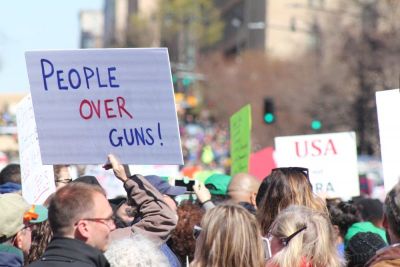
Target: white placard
159, 170
388, 106
330, 158
113, 187
92, 102
37, 179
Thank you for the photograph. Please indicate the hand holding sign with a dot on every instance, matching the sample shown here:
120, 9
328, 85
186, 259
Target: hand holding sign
118, 168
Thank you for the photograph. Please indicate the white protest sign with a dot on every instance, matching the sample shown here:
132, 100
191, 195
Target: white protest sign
113, 187
37, 179
330, 158
388, 107
160, 170
92, 102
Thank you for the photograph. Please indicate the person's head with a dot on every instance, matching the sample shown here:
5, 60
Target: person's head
262, 190
168, 191
61, 175
11, 173
230, 236
182, 241
288, 186
81, 211
371, 210
392, 214
135, 251
300, 235
362, 247
343, 214
124, 213
14, 229
243, 188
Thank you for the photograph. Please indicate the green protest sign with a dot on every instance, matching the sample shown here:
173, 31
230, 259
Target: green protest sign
240, 130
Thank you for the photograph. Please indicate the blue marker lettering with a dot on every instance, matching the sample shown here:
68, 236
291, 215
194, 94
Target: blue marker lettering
45, 76
87, 70
98, 79
59, 80
148, 131
74, 86
111, 139
112, 78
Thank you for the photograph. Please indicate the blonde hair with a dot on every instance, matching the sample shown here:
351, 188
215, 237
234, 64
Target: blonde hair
287, 187
230, 236
315, 245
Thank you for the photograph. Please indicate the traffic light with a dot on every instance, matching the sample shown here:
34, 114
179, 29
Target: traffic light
269, 111
316, 125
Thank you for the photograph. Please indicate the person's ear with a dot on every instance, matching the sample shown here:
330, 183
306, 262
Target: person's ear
385, 223
336, 231
82, 230
18, 240
253, 198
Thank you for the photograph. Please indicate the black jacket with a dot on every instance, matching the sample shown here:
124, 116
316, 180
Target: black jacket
70, 252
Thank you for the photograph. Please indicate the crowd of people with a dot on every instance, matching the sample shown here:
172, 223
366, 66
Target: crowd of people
240, 221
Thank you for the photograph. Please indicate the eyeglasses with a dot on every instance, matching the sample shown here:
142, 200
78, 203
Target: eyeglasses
285, 240
196, 231
109, 222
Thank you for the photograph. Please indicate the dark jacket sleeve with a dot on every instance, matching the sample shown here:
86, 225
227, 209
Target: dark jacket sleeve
157, 218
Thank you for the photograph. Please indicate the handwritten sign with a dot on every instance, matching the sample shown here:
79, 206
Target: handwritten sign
92, 102
388, 106
330, 158
37, 179
240, 130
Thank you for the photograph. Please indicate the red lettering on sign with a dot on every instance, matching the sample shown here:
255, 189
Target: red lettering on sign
315, 148
103, 108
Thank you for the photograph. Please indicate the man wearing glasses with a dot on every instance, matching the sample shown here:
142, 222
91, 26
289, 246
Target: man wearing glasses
81, 219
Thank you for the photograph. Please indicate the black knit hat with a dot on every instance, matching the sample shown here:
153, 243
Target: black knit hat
362, 247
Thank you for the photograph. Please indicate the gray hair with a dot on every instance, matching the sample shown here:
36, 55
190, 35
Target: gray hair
135, 251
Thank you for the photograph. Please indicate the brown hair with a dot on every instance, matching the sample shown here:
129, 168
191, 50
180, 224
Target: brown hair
392, 209
182, 241
230, 236
69, 204
41, 236
287, 187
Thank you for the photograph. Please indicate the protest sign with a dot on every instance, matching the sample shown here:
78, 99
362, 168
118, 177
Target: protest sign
37, 179
331, 160
92, 102
113, 187
240, 131
160, 170
388, 107
262, 162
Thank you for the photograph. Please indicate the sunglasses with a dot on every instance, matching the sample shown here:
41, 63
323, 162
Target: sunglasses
285, 240
196, 231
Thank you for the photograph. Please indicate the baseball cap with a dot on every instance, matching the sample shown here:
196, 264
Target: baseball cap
164, 187
36, 214
13, 208
218, 183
